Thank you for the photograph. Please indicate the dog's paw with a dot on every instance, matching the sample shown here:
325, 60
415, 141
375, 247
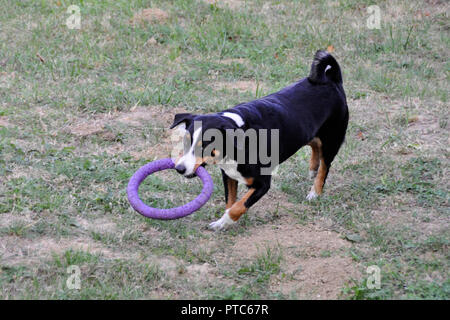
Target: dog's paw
312, 174
222, 223
311, 195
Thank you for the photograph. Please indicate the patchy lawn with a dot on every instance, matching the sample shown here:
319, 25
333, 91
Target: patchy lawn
82, 109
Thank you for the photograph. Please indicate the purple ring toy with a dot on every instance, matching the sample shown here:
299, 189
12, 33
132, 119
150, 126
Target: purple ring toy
166, 214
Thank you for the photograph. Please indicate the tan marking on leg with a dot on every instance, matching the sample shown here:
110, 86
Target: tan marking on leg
320, 178
316, 148
238, 209
232, 186
249, 181
317, 164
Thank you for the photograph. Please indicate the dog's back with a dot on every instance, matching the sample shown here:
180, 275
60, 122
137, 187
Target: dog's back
303, 110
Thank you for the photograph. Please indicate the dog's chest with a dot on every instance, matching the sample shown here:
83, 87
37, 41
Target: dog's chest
230, 169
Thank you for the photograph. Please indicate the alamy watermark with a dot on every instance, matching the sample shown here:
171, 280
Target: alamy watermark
374, 280
374, 19
73, 282
251, 146
74, 20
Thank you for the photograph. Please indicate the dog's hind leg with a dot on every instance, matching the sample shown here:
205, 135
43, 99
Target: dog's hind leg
314, 162
328, 148
319, 181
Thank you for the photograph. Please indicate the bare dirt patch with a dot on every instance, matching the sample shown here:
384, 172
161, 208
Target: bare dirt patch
230, 61
250, 86
87, 128
4, 122
315, 263
183, 278
151, 42
6, 79
150, 15
29, 173
135, 117
200, 272
428, 134
396, 215
97, 225
274, 205
316, 278
10, 219
153, 152
177, 269
232, 4
157, 142
154, 115
15, 250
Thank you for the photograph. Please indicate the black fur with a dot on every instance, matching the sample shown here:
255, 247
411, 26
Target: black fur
312, 107
322, 59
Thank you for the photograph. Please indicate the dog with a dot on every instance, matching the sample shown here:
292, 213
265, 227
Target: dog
312, 111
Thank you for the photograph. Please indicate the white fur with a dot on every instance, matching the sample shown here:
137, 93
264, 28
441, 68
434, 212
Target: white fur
181, 127
312, 195
224, 222
188, 159
328, 67
230, 168
235, 117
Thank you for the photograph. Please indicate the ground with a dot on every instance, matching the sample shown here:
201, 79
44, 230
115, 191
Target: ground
82, 109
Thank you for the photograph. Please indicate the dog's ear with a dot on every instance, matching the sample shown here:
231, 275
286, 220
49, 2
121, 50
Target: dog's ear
182, 117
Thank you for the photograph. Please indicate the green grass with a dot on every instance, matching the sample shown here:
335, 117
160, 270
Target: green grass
62, 194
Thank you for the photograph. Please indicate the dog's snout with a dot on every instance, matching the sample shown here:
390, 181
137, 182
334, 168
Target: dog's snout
180, 168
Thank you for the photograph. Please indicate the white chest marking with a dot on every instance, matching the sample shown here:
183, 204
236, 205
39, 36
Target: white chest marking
235, 117
230, 168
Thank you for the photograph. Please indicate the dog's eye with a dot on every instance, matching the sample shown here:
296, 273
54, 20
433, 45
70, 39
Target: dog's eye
215, 153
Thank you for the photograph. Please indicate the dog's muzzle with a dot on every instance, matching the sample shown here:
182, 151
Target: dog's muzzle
181, 169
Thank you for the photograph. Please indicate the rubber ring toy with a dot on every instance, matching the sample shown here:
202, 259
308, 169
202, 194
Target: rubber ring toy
173, 213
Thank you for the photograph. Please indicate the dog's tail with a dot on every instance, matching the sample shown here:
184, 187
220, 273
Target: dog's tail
325, 68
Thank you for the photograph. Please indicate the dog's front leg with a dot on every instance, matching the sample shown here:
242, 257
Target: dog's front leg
230, 186
232, 215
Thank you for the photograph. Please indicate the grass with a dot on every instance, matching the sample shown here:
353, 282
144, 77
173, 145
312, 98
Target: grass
62, 192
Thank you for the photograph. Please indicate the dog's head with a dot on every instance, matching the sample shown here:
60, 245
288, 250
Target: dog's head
203, 140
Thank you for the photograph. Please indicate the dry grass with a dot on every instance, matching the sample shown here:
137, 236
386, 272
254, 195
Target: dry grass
75, 127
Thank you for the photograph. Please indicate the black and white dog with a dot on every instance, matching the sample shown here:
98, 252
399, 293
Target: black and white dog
312, 111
